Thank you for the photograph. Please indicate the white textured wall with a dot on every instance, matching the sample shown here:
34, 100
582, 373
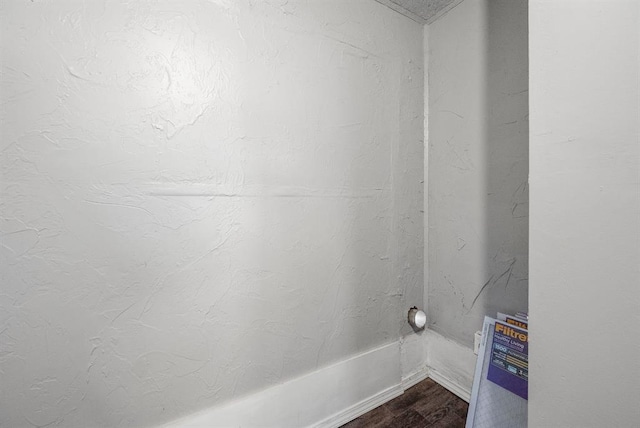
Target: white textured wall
585, 214
477, 165
200, 199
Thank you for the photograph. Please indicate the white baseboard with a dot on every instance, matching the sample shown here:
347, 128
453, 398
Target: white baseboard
451, 385
427, 355
413, 359
361, 408
328, 397
413, 369
334, 395
450, 364
415, 378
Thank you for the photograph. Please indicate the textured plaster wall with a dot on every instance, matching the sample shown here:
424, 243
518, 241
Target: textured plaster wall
200, 199
585, 214
477, 165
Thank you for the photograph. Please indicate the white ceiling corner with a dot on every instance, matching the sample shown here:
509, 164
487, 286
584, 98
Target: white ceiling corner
422, 11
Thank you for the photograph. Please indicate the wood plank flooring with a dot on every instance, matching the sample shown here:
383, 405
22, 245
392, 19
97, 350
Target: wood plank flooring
427, 404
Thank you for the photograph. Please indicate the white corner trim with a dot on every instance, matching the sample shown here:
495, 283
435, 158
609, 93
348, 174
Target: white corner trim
450, 364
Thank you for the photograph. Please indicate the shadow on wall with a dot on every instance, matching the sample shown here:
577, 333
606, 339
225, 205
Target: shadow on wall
478, 165
507, 155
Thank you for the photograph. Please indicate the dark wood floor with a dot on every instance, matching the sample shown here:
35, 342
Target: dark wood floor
425, 405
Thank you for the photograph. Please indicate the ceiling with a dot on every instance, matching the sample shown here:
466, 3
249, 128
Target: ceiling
422, 11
